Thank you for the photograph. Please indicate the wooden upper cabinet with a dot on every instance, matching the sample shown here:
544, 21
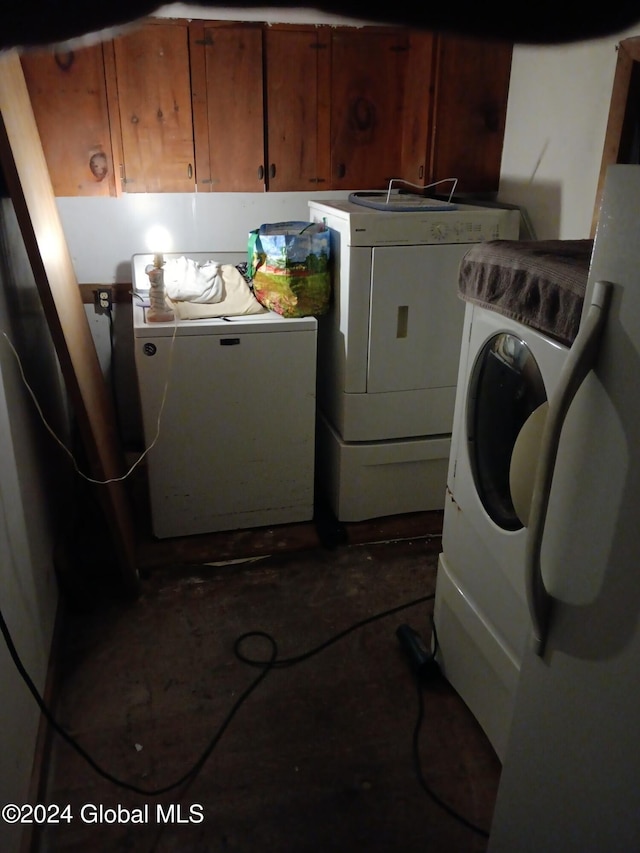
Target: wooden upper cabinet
69, 99
228, 115
368, 70
296, 95
472, 87
152, 76
176, 105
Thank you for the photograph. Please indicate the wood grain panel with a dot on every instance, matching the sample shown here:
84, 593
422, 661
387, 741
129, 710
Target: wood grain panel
470, 112
294, 60
367, 89
197, 59
68, 96
234, 106
624, 106
154, 95
418, 107
25, 169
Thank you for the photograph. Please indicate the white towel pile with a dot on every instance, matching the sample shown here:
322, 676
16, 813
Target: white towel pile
185, 280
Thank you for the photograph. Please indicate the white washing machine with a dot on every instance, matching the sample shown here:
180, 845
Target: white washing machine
236, 443
388, 351
507, 371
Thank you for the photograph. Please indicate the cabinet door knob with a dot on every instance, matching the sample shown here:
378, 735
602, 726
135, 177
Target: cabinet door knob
342, 170
272, 170
189, 171
261, 173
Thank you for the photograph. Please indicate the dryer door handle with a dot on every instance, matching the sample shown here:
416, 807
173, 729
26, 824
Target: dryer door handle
580, 360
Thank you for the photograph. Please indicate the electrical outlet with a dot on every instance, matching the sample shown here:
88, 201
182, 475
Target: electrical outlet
103, 300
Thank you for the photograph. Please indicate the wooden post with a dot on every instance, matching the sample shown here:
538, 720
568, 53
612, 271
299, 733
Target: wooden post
623, 101
25, 169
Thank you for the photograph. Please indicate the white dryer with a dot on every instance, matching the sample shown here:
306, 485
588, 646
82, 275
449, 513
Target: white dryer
507, 371
388, 352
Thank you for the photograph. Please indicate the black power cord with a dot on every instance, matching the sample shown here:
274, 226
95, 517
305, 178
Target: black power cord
292, 661
265, 665
420, 775
186, 777
425, 667
112, 370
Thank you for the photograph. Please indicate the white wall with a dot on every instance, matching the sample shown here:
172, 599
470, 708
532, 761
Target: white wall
103, 233
556, 120
29, 488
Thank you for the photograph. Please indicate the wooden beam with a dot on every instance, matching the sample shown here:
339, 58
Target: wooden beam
23, 163
628, 55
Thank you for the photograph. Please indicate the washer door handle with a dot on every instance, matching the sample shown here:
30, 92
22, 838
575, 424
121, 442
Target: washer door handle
580, 360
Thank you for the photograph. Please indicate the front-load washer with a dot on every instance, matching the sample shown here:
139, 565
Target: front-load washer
507, 371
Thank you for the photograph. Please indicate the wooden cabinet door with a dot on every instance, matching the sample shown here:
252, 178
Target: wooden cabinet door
69, 99
297, 92
154, 108
367, 86
470, 112
417, 113
228, 116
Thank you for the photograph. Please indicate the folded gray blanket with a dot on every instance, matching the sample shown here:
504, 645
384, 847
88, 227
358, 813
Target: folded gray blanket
539, 283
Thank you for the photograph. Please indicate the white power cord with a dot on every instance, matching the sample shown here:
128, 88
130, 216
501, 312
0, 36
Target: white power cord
63, 445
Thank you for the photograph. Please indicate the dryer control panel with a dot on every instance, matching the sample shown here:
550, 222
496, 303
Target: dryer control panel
362, 226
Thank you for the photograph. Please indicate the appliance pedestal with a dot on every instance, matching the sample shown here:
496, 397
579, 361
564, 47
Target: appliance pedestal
373, 479
473, 659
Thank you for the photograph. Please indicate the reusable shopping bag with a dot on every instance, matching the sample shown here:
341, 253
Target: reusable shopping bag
288, 263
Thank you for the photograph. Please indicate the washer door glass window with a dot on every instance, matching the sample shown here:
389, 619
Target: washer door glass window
506, 387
